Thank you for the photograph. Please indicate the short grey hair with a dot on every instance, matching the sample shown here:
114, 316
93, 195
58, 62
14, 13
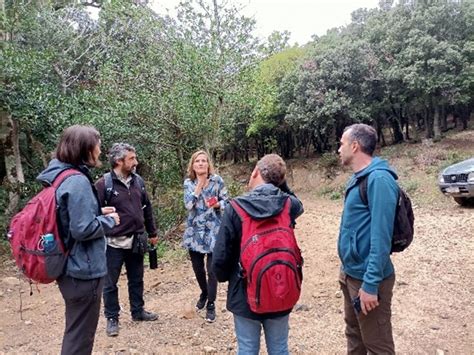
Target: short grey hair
365, 135
118, 152
272, 169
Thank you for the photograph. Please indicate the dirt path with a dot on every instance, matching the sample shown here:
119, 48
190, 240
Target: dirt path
433, 302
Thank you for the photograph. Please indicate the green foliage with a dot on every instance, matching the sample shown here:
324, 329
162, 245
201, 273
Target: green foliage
329, 161
453, 157
171, 252
170, 209
235, 189
332, 192
172, 85
3, 207
335, 195
168, 251
410, 186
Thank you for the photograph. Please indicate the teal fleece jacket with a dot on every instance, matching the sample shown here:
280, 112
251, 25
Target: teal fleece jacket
365, 236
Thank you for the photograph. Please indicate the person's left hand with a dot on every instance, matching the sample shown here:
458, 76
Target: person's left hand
153, 241
107, 210
368, 302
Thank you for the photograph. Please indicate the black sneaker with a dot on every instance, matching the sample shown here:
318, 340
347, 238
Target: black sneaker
145, 316
201, 302
210, 312
112, 328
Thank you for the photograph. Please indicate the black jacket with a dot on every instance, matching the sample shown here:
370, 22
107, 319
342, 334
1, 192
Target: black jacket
264, 201
134, 218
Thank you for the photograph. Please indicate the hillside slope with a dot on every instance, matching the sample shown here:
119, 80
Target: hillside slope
432, 310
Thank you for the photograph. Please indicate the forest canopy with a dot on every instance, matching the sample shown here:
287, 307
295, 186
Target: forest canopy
203, 79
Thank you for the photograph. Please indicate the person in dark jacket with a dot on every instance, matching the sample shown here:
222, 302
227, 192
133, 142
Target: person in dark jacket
82, 226
267, 197
131, 201
367, 275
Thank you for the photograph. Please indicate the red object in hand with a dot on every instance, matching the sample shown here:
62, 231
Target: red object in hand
211, 201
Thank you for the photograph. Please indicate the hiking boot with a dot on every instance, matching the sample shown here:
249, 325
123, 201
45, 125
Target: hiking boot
201, 302
211, 312
145, 316
112, 328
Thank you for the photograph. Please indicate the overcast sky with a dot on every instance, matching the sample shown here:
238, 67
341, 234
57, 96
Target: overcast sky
302, 18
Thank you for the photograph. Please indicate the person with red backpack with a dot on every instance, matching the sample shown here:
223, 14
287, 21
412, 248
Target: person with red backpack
82, 225
256, 251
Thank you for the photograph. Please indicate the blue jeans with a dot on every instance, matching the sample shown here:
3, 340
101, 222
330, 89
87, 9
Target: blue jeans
248, 335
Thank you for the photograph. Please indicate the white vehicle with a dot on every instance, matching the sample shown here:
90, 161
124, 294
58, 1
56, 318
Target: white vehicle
457, 180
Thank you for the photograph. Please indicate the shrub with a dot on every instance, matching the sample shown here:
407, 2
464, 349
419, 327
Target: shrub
410, 186
334, 193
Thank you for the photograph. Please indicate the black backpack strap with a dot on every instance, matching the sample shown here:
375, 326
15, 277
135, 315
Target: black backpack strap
141, 183
362, 182
108, 188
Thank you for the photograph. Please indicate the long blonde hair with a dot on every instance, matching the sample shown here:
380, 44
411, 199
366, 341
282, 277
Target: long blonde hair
191, 172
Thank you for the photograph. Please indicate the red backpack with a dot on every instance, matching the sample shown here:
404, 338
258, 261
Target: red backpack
270, 261
38, 249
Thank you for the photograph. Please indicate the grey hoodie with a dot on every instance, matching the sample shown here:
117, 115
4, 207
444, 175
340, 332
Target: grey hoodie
80, 222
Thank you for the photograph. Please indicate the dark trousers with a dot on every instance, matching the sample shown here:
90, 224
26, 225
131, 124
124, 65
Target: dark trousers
209, 286
82, 299
116, 257
371, 333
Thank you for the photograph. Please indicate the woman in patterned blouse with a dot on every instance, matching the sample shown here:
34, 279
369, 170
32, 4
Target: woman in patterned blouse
205, 198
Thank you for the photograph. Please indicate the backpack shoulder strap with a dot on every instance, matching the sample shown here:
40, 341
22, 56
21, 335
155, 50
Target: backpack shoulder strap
286, 212
63, 176
239, 210
141, 183
362, 182
108, 187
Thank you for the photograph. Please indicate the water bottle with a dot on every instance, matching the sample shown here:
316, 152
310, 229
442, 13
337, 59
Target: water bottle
153, 257
49, 244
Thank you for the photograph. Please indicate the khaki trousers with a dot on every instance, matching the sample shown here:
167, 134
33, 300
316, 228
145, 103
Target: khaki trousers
371, 333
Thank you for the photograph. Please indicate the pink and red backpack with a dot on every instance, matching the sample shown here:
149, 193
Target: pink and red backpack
29, 230
270, 261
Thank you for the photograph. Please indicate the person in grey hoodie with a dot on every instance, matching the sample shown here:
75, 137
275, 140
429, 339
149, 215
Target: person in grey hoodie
365, 240
82, 225
267, 198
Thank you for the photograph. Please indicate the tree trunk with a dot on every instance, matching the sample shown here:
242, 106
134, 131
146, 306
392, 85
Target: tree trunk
14, 169
407, 129
436, 123
443, 119
180, 156
465, 116
38, 148
428, 125
382, 138
397, 130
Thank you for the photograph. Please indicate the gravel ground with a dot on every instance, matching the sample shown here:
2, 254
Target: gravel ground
433, 306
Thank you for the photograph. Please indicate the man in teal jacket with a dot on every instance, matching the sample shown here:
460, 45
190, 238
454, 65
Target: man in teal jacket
365, 238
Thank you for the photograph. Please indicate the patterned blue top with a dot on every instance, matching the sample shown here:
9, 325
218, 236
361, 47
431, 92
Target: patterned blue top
202, 224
